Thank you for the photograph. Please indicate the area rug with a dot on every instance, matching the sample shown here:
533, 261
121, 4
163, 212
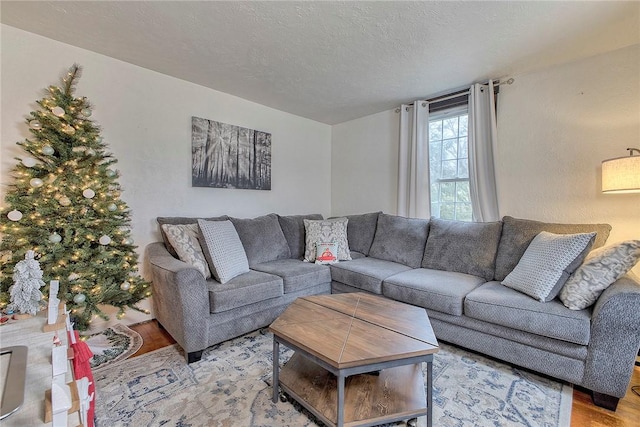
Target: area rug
112, 345
228, 388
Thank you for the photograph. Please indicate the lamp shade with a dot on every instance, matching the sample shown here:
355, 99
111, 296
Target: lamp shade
621, 175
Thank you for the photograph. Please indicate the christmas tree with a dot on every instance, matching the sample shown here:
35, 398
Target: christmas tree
65, 206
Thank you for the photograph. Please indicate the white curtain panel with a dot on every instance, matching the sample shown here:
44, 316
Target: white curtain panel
483, 143
413, 161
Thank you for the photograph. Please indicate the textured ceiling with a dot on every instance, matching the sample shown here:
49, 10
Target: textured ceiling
334, 61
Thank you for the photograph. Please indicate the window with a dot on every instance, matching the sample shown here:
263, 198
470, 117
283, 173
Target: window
449, 164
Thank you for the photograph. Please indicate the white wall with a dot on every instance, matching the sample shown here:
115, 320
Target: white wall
555, 126
146, 121
364, 163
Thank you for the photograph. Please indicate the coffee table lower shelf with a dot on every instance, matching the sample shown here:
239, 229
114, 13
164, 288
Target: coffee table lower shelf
394, 394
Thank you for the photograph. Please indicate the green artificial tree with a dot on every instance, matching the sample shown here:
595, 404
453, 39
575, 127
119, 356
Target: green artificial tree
64, 204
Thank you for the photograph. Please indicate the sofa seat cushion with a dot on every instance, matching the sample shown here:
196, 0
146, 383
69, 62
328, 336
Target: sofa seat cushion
365, 273
432, 289
495, 303
245, 289
296, 274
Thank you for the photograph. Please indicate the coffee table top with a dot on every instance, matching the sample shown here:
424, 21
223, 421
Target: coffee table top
355, 329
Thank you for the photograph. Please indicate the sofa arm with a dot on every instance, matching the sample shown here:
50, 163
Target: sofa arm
180, 298
615, 338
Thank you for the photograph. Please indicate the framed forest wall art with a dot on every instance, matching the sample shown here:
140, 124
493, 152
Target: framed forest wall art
229, 156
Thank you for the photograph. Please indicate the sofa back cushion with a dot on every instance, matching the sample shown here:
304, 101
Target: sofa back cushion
400, 239
293, 229
180, 220
262, 238
462, 247
517, 234
361, 230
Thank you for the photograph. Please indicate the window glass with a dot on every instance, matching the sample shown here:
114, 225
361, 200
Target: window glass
449, 165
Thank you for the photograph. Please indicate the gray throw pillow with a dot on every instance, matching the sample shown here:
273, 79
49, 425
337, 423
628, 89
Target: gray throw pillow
463, 247
293, 229
185, 239
547, 264
223, 249
518, 233
400, 239
600, 269
262, 238
175, 220
326, 231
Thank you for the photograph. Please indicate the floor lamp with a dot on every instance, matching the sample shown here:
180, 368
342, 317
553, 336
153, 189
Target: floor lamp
622, 175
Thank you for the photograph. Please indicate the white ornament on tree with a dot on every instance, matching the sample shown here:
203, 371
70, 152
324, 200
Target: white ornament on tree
15, 215
112, 207
55, 238
105, 240
35, 125
36, 182
58, 111
48, 150
89, 193
29, 162
79, 298
25, 292
86, 112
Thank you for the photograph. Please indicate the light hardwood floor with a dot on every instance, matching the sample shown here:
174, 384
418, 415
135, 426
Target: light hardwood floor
584, 412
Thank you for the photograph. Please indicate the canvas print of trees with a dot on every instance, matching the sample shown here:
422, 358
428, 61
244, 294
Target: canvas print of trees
229, 156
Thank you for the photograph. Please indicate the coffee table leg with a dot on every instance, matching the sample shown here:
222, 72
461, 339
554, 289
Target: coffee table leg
429, 393
340, 408
276, 366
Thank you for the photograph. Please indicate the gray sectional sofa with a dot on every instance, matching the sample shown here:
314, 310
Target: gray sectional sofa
452, 269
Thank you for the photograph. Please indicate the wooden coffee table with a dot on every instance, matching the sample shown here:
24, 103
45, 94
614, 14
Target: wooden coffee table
358, 358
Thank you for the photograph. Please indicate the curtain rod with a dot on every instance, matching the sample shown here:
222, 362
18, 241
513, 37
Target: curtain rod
460, 93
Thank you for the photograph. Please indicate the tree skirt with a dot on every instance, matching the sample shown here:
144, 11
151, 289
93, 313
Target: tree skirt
112, 345
228, 388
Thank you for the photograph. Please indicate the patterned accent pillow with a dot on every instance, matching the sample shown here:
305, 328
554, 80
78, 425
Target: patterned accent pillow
223, 249
326, 230
600, 269
326, 253
547, 263
185, 240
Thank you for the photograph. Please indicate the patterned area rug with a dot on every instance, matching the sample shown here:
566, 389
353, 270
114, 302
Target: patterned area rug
228, 387
112, 345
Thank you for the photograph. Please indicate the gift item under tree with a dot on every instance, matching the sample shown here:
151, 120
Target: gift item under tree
64, 205
25, 293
